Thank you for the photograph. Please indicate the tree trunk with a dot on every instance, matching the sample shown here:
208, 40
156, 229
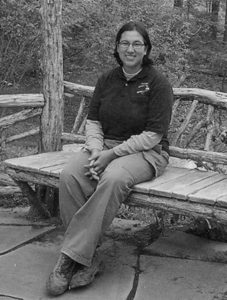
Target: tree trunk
178, 3
52, 115
225, 32
214, 18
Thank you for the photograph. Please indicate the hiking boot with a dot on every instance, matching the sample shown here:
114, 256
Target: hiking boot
85, 275
61, 275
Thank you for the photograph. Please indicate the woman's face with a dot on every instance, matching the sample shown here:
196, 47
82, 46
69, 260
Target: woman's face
131, 50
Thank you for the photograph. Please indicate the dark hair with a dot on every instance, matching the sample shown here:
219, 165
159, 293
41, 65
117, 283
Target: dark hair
139, 27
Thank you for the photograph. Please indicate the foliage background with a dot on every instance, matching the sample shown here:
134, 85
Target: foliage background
182, 43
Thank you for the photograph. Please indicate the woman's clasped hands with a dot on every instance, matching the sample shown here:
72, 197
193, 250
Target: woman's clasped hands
98, 161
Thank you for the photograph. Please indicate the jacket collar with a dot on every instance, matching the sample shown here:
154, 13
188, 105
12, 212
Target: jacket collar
141, 75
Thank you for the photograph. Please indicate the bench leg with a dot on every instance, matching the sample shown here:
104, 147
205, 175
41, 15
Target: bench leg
48, 197
37, 209
51, 200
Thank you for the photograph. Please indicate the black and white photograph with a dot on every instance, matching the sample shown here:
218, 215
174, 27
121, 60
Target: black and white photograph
113, 149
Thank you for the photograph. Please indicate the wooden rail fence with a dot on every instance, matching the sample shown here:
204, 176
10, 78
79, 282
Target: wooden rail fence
189, 101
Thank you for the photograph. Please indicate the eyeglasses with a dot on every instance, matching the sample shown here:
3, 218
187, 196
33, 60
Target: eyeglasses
135, 45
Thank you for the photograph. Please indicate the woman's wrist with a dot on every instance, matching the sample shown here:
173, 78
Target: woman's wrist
112, 154
95, 150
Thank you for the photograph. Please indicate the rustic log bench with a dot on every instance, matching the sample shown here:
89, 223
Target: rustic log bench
194, 183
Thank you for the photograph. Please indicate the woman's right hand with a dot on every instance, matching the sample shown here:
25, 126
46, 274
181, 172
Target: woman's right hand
94, 154
91, 173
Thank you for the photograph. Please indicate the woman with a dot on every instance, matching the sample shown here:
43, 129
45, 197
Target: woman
126, 143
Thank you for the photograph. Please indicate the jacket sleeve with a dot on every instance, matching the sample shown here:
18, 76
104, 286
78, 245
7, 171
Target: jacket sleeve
94, 135
137, 143
160, 107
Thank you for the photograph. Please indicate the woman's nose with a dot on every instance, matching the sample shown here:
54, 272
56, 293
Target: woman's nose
130, 48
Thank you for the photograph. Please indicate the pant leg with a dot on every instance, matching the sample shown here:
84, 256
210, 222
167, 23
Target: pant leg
93, 218
74, 187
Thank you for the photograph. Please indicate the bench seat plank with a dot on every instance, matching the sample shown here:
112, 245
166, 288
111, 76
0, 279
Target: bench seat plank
185, 191
212, 192
176, 187
37, 163
169, 174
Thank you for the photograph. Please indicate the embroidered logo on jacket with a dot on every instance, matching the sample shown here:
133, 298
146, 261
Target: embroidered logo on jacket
143, 88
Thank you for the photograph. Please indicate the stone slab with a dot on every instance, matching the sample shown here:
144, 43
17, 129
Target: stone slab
24, 271
18, 216
13, 237
184, 245
177, 279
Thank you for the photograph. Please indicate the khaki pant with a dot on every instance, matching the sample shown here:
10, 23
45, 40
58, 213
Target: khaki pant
88, 207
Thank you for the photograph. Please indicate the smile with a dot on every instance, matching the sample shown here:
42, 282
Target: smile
130, 56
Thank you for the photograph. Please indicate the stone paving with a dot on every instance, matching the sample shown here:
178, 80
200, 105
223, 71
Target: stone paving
177, 266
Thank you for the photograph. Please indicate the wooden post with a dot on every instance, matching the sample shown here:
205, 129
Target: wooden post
53, 111
52, 67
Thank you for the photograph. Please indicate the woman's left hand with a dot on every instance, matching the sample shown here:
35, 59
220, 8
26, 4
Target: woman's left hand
103, 159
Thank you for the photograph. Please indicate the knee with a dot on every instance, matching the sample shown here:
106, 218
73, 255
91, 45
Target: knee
117, 178
73, 170
70, 175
